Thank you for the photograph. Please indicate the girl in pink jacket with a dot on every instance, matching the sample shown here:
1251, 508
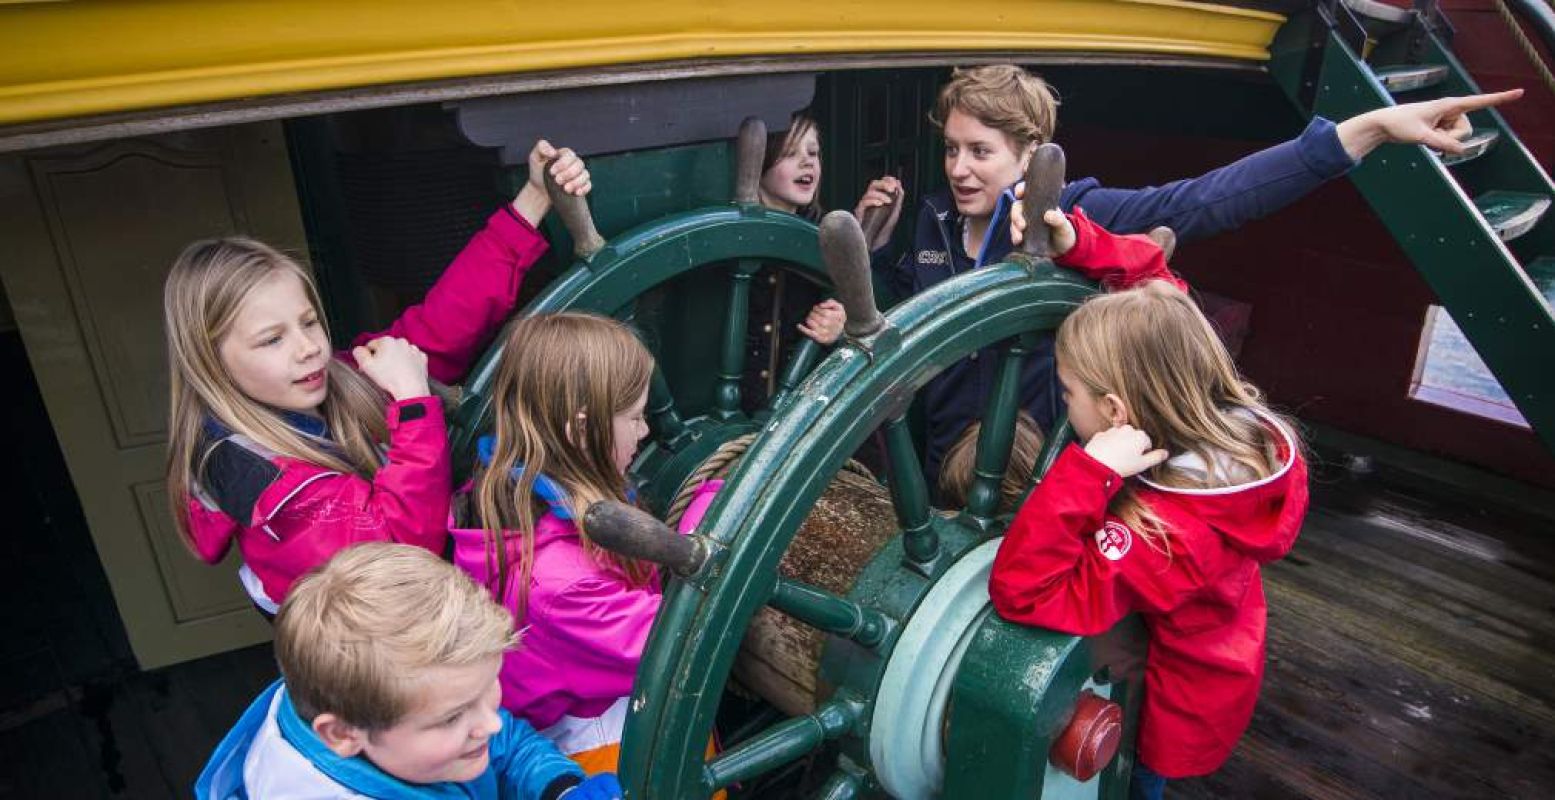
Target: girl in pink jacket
295, 452
568, 400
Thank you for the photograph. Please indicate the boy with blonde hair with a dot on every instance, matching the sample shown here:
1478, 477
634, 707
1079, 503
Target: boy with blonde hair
389, 661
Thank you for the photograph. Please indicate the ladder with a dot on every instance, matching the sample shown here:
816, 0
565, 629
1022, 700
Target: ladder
1475, 226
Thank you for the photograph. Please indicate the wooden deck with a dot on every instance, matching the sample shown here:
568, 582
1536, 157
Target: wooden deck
1410, 656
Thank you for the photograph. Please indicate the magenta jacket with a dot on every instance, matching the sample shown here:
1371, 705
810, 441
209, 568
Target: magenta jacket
288, 516
586, 624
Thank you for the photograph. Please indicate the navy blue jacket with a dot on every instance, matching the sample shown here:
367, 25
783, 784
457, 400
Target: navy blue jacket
1194, 208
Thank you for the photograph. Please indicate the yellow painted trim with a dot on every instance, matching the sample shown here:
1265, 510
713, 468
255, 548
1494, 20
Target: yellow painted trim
70, 59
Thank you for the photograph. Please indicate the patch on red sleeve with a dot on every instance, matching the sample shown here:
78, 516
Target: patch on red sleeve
1114, 540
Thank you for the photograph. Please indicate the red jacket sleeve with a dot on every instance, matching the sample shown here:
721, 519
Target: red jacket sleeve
1117, 261
406, 501
1067, 565
472, 298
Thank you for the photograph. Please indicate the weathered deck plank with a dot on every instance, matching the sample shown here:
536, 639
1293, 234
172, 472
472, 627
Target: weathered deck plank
1411, 654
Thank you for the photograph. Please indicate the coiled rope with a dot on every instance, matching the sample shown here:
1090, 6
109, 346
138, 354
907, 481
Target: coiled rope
1525, 43
720, 464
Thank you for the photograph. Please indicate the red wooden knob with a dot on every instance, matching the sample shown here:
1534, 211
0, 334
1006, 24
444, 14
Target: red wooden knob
1092, 738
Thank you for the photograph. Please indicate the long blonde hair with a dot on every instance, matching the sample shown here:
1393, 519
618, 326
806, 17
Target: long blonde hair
206, 289
1153, 348
562, 379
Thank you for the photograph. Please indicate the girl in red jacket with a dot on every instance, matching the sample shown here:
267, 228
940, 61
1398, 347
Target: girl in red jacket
295, 452
1184, 486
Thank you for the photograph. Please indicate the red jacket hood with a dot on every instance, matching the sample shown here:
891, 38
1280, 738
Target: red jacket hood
1259, 518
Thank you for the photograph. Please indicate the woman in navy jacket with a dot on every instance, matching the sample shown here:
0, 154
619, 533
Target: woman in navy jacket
994, 117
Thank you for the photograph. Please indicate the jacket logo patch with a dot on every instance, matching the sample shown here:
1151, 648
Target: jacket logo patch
1114, 540
933, 257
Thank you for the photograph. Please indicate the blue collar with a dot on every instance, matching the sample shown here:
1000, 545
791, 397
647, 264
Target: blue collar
1000, 210
357, 773
306, 424
546, 489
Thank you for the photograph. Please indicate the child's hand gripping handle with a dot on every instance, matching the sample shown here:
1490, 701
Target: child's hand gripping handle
634, 533
1044, 182
846, 254
876, 217
749, 150
575, 216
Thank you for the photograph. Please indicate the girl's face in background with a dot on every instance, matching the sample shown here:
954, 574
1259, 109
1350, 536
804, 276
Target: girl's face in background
628, 428
791, 182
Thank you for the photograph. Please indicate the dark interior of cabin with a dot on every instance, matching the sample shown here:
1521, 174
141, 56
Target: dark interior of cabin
1412, 636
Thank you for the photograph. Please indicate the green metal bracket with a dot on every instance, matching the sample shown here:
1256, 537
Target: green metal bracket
1006, 711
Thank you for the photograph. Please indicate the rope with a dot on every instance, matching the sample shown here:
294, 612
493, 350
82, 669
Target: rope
1525, 43
720, 464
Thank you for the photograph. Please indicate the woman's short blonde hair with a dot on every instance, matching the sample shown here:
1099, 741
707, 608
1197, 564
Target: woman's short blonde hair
354, 637
1003, 97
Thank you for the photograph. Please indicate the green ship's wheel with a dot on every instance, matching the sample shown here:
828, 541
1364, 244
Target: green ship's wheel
610, 278
932, 695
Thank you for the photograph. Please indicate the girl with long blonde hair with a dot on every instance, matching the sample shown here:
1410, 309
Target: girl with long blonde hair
1184, 483
294, 452
569, 404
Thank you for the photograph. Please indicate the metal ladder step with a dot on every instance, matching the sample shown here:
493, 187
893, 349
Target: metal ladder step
1542, 272
1382, 12
1410, 78
1511, 214
1475, 145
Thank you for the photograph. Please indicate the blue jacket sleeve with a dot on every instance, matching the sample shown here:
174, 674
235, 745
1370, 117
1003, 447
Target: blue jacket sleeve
1224, 198
527, 765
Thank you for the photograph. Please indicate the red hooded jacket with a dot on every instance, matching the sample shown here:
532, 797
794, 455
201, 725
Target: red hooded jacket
1068, 565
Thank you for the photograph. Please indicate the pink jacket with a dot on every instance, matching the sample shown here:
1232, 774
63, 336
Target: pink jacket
586, 624
289, 516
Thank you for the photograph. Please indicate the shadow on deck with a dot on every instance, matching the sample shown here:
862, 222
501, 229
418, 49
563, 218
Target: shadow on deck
1411, 654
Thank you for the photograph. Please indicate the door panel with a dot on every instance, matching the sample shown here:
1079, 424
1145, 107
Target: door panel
92, 232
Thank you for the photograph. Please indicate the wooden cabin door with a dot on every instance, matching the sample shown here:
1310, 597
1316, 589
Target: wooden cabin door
90, 232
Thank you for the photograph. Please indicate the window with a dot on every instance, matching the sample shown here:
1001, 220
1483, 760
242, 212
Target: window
1448, 371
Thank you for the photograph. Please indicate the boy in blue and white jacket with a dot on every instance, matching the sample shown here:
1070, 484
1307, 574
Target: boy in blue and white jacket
389, 658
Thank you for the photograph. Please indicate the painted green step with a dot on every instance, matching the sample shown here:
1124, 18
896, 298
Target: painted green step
1409, 78
1542, 272
1511, 214
1477, 144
